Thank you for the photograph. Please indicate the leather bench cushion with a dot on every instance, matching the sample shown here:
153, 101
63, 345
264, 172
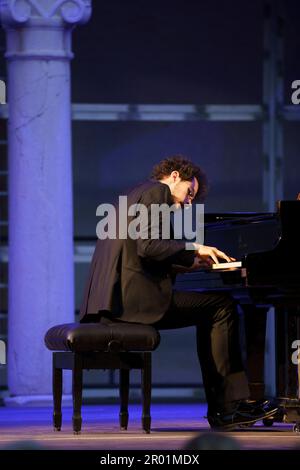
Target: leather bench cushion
83, 337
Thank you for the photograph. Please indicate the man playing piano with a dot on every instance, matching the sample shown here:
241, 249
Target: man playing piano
137, 275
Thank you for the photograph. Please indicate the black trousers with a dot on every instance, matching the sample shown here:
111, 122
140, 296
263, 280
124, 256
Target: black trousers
216, 319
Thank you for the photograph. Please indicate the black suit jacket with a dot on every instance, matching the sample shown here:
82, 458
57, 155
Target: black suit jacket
131, 279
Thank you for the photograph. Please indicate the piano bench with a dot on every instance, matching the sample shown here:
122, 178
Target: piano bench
109, 345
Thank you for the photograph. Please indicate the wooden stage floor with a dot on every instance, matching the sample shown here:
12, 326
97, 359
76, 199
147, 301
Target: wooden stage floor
173, 425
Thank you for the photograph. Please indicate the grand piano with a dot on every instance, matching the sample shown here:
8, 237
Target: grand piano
267, 244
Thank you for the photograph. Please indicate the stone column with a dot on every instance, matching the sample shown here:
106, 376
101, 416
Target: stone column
41, 284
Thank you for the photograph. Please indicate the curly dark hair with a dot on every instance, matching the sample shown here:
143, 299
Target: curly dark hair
187, 171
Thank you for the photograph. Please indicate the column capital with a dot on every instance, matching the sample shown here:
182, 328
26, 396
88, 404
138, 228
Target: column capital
46, 12
41, 29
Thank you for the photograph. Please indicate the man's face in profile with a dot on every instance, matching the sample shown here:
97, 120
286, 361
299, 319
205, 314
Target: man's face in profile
184, 192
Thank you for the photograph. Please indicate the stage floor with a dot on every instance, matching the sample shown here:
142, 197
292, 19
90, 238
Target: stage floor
173, 425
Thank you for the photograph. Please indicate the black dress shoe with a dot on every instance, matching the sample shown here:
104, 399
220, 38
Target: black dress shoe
245, 413
265, 405
262, 405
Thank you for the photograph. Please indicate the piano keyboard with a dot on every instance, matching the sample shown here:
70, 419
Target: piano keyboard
231, 264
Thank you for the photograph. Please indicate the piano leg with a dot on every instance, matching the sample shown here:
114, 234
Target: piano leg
255, 320
287, 330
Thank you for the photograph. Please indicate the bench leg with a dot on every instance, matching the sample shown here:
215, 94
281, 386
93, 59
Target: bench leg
57, 395
124, 395
77, 393
146, 392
